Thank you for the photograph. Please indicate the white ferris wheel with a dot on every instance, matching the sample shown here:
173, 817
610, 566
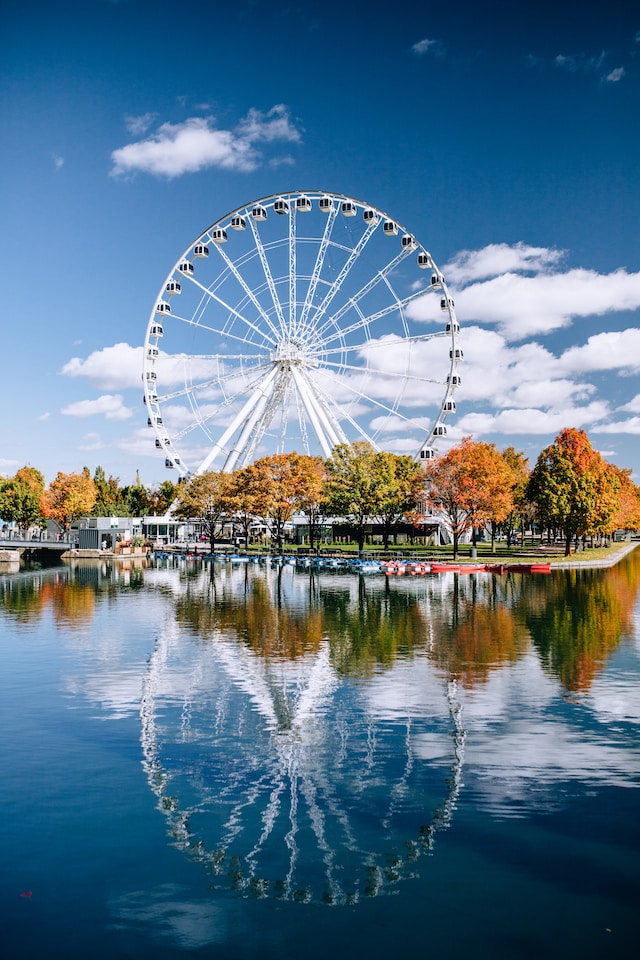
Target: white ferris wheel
293, 323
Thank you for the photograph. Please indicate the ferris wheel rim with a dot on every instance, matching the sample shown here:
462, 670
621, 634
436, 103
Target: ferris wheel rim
280, 342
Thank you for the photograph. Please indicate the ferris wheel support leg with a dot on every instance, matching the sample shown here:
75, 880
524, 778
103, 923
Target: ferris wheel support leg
237, 420
321, 425
265, 390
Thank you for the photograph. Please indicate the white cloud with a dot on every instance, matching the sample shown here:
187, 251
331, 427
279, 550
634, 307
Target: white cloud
92, 441
615, 75
497, 258
262, 127
196, 144
633, 406
523, 306
423, 46
112, 368
616, 350
44, 416
58, 161
632, 426
532, 421
108, 405
140, 124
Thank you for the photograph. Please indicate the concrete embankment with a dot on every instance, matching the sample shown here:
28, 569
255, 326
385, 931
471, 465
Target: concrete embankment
617, 554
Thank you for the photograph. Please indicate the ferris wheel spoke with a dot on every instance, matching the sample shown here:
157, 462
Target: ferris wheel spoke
201, 420
227, 333
387, 374
293, 269
343, 274
379, 277
268, 274
247, 290
218, 380
232, 310
342, 348
366, 321
317, 270
361, 395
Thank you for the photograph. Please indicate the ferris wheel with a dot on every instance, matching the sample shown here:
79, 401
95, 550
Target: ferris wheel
299, 322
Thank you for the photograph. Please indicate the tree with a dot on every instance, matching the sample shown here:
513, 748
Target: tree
310, 492
110, 501
70, 495
472, 485
522, 507
627, 516
354, 485
136, 500
206, 497
282, 483
572, 486
161, 498
401, 486
21, 498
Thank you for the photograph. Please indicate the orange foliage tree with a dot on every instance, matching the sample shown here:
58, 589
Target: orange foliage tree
472, 484
69, 496
574, 487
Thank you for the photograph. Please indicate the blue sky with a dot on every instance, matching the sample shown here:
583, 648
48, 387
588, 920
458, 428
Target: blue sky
507, 142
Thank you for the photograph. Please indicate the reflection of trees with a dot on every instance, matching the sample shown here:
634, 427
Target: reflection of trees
72, 603
577, 618
69, 593
252, 614
468, 627
474, 628
378, 628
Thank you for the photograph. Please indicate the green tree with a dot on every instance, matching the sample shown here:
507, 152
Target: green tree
110, 500
354, 485
523, 510
401, 486
160, 498
572, 487
21, 498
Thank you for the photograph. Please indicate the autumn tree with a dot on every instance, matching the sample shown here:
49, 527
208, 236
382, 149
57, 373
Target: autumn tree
522, 509
69, 496
310, 494
160, 498
354, 485
472, 485
206, 497
627, 516
401, 484
282, 483
572, 487
21, 498
247, 497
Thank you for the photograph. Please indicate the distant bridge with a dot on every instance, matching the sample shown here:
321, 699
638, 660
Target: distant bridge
35, 545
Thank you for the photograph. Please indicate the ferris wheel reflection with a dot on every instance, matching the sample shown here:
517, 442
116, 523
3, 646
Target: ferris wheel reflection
283, 775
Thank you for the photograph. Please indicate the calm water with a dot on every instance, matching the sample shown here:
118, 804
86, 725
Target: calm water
252, 762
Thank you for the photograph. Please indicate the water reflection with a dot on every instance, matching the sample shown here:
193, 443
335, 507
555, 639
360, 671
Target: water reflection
305, 732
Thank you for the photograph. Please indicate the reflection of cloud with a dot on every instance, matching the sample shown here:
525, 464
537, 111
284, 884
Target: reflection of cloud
518, 750
186, 924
